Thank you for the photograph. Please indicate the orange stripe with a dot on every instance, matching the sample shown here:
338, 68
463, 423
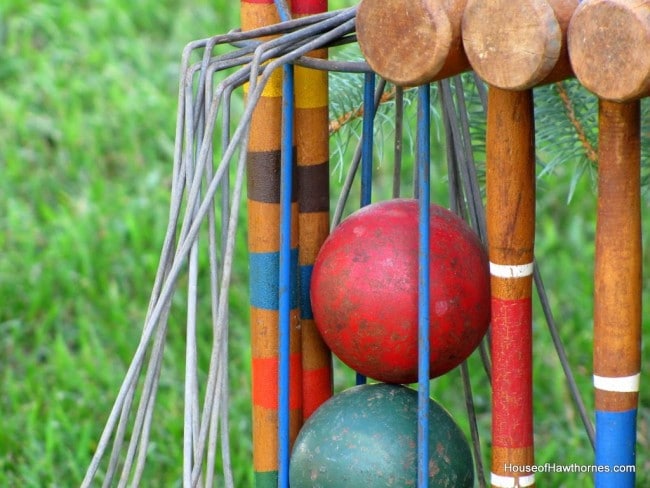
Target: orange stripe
265, 439
266, 125
265, 436
254, 15
314, 229
265, 382
264, 226
312, 135
264, 332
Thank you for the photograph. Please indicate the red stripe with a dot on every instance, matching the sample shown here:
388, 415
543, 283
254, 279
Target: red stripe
302, 7
265, 382
512, 420
317, 388
267, 2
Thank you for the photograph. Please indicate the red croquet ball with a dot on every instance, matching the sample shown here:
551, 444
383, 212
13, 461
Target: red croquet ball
364, 291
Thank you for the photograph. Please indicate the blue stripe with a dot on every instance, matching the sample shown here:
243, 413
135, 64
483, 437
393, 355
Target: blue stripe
264, 273
305, 299
615, 447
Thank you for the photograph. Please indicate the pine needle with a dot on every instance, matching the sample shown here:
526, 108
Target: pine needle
590, 152
337, 123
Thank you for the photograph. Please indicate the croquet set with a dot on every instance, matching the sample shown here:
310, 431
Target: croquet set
404, 290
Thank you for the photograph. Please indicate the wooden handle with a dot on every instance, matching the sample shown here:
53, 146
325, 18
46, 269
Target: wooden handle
510, 164
411, 42
609, 46
518, 45
617, 293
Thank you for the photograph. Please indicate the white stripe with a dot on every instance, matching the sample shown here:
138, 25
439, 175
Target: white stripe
510, 481
514, 271
622, 384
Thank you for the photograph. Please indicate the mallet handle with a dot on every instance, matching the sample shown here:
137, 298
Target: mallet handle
617, 294
511, 234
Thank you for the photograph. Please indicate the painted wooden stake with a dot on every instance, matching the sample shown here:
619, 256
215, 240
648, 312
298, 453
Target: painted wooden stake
312, 145
609, 45
511, 232
263, 178
411, 42
519, 44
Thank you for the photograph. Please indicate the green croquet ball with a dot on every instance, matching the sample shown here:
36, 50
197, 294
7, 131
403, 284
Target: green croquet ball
366, 437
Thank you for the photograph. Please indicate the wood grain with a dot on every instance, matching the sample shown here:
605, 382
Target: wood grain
411, 42
609, 47
518, 45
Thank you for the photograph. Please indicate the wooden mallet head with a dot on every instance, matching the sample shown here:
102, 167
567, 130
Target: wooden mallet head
412, 42
609, 47
516, 45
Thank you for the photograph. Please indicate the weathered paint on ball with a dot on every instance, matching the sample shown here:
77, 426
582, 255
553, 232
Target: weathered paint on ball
366, 437
365, 284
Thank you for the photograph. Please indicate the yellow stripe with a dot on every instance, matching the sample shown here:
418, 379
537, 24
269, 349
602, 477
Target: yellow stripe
273, 87
311, 88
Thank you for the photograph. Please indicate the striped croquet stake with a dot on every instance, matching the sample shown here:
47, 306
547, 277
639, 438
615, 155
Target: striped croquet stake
264, 159
609, 43
312, 146
511, 232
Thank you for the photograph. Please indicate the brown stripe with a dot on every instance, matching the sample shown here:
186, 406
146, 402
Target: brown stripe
610, 401
266, 125
264, 226
314, 229
313, 188
511, 289
312, 135
503, 458
264, 177
264, 332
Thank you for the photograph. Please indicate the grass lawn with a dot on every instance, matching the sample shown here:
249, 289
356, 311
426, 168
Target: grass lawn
87, 120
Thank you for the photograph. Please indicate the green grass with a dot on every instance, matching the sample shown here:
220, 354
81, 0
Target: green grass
87, 113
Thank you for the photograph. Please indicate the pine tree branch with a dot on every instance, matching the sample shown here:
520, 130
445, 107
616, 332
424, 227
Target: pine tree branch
338, 123
590, 152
